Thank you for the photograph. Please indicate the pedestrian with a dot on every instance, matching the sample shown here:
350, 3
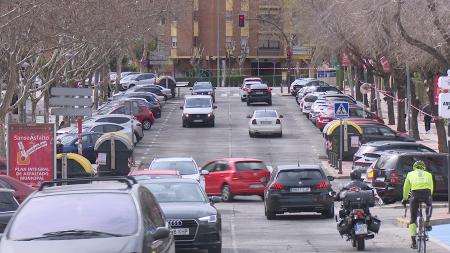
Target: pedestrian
427, 118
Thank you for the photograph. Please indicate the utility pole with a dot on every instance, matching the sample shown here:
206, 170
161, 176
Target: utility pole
218, 42
408, 101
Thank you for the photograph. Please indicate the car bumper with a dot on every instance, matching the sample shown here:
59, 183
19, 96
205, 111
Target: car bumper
259, 98
248, 188
279, 203
273, 129
205, 120
208, 234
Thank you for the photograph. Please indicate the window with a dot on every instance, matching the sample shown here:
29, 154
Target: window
386, 132
296, 175
229, 43
210, 167
7, 202
250, 165
269, 43
371, 130
174, 42
162, 21
196, 41
152, 214
6, 185
120, 110
222, 166
176, 192
85, 140
229, 16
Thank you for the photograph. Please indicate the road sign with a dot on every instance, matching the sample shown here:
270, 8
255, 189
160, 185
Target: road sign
71, 111
444, 81
71, 101
64, 101
341, 110
71, 92
444, 105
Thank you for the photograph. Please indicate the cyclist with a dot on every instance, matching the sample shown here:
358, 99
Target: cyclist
419, 183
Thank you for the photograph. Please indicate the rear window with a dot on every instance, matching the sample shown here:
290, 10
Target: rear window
310, 98
250, 165
263, 114
365, 149
296, 175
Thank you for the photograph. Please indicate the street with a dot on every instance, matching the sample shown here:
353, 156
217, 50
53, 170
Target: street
244, 227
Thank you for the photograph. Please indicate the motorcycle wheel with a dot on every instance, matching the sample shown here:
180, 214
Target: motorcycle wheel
360, 243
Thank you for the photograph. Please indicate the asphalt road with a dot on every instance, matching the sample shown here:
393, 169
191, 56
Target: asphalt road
245, 228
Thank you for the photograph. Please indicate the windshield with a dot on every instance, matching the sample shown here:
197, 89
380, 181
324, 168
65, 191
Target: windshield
265, 114
155, 176
184, 167
198, 103
68, 139
102, 212
202, 86
176, 192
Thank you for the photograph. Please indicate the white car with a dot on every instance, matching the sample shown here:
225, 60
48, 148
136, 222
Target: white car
265, 122
186, 166
198, 109
107, 128
165, 91
120, 119
137, 79
243, 91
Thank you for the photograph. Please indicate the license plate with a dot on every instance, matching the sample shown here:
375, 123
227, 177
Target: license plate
198, 120
303, 189
180, 231
256, 186
360, 229
259, 93
380, 179
266, 122
363, 175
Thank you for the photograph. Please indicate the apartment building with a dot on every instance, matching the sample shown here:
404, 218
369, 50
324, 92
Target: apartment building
191, 36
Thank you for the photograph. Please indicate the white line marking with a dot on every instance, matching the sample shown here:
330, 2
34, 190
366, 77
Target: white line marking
233, 234
236, 95
223, 95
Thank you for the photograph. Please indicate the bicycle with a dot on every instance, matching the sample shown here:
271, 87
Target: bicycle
421, 231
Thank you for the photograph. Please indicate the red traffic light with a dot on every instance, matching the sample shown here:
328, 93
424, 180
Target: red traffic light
241, 20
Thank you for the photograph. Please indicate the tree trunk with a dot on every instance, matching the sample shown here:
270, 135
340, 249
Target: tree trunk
33, 110
2, 135
46, 106
118, 71
96, 90
438, 122
389, 101
414, 114
341, 77
400, 104
370, 79
358, 77
142, 65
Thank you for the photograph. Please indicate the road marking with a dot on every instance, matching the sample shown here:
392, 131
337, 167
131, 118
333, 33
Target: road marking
233, 234
223, 95
236, 95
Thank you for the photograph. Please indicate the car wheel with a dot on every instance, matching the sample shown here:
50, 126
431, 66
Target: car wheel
215, 249
242, 99
262, 197
269, 215
227, 196
270, 102
248, 102
138, 138
147, 124
280, 135
329, 213
251, 134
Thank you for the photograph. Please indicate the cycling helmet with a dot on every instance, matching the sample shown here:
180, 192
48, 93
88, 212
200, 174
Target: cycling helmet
419, 165
355, 175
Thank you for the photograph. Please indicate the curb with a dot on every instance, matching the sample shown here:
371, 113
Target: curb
333, 172
398, 206
404, 221
441, 244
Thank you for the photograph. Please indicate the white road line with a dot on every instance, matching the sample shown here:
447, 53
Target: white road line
236, 95
233, 234
223, 95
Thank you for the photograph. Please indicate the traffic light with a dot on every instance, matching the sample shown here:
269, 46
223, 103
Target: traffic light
241, 20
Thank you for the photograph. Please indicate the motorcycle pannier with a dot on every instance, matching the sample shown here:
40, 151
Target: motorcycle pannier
374, 225
359, 199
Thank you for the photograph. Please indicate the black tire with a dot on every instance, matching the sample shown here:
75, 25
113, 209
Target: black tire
262, 197
280, 135
251, 135
248, 103
329, 213
360, 243
215, 249
227, 195
146, 124
270, 102
212, 124
183, 124
269, 215
242, 99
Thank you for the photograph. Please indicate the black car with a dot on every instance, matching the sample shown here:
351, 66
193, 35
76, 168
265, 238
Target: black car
204, 88
194, 220
152, 89
294, 188
390, 170
389, 145
259, 93
89, 215
373, 131
8, 206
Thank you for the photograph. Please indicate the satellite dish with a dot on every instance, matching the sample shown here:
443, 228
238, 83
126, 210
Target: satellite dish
365, 88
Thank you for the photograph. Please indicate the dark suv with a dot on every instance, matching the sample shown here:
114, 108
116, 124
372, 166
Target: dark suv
303, 188
390, 170
371, 147
89, 215
259, 93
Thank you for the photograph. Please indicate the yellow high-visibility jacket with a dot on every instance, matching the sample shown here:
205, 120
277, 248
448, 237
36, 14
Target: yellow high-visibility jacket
417, 180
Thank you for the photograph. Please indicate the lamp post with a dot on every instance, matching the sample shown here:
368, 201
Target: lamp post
218, 42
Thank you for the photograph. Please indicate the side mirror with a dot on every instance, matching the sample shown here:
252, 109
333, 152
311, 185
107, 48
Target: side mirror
330, 178
161, 233
214, 106
281, 116
204, 172
181, 107
215, 199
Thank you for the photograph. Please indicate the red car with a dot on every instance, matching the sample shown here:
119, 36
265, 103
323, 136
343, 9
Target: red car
356, 113
140, 111
229, 177
21, 190
154, 174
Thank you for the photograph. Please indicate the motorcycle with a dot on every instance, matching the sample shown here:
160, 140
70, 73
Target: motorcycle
355, 221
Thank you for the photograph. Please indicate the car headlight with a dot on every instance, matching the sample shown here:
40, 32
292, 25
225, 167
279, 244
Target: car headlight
186, 115
209, 219
210, 93
210, 115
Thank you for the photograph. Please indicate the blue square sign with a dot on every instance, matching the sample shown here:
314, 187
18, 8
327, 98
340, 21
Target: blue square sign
341, 110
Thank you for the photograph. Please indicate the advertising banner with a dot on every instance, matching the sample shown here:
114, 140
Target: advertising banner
31, 153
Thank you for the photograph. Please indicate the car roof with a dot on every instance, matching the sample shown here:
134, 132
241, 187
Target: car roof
112, 187
112, 115
173, 159
299, 167
391, 143
203, 82
154, 172
171, 180
238, 159
421, 154
197, 96
258, 85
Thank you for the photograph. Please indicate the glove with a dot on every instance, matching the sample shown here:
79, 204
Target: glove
404, 202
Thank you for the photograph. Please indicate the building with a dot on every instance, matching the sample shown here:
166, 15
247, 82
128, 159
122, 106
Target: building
190, 38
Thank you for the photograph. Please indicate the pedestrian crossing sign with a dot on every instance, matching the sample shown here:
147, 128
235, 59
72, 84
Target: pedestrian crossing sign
341, 110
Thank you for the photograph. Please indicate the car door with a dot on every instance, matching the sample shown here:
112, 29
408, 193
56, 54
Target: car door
88, 148
209, 179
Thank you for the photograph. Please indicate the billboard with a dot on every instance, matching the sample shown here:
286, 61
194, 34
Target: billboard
31, 153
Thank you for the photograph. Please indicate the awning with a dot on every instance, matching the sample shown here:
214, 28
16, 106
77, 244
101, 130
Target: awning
335, 125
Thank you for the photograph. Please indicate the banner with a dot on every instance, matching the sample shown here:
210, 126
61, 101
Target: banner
31, 153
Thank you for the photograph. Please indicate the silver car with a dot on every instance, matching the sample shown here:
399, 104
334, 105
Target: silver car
120, 119
185, 165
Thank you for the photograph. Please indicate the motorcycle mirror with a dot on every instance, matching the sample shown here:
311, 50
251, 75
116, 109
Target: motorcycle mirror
330, 178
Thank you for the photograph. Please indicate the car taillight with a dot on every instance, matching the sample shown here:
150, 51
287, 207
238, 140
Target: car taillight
322, 185
370, 174
278, 121
236, 176
269, 90
249, 91
245, 89
254, 122
394, 177
277, 186
359, 213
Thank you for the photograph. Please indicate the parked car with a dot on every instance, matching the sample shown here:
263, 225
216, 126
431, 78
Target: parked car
154, 107
390, 171
355, 112
70, 144
229, 177
186, 166
259, 93
165, 91
204, 88
8, 208
150, 89
117, 215
120, 119
371, 147
194, 221
243, 91
198, 109
321, 88
140, 112
154, 174
137, 79
265, 122
304, 82
375, 131
21, 190
167, 82
294, 188
104, 128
